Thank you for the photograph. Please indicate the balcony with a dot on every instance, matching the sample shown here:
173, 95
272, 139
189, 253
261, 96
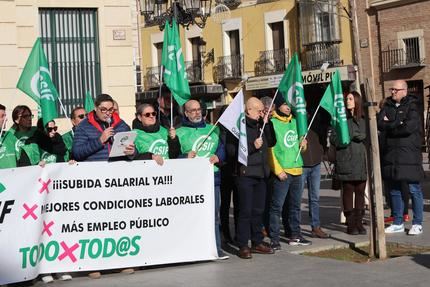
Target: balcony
318, 54
229, 68
195, 71
400, 59
271, 62
152, 77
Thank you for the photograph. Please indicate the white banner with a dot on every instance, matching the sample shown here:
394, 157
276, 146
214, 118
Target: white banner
95, 216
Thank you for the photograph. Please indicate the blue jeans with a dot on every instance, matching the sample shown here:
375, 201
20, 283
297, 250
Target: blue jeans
397, 202
293, 185
217, 218
312, 177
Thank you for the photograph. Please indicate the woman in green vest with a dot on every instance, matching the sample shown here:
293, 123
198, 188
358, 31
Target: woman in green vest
22, 130
154, 141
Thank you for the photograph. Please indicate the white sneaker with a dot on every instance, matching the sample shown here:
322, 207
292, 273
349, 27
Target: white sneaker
66, 277
47, 279
416, 229
394, 228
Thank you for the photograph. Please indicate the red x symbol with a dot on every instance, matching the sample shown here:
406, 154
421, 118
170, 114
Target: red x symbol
68, 252
44, 185
46, 228
30, 211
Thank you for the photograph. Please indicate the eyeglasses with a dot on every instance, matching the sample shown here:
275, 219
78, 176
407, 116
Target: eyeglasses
30, 116
194, 111
105, 110
50, 129
81, 116
394, 90
147, 115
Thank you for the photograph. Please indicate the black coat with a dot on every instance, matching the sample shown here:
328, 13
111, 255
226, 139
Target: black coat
258, 164
402, 157
351, 159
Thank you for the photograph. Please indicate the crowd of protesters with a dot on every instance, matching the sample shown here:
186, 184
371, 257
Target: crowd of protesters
279, 164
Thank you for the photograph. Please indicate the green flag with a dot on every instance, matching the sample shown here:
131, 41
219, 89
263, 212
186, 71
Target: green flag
172, 60
332, 102
36, 82
291, 88
89, 102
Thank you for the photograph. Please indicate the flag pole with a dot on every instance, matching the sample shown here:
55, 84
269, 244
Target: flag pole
270, 107
207, 136
3, 127
159, 91
309, 127
171, 111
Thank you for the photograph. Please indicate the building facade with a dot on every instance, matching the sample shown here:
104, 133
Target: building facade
91, 46
394, 39
249, 44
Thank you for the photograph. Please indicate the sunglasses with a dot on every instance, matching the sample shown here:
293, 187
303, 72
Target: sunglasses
81, 116
394, 90
50, 129
147, 115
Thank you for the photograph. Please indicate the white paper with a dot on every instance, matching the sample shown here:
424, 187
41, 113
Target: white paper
120, 141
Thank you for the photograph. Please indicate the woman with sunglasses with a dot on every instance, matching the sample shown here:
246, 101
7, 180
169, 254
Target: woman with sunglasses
153, 141
19, 133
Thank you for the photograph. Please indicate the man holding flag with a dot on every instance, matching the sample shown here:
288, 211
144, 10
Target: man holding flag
251, 177
198, 139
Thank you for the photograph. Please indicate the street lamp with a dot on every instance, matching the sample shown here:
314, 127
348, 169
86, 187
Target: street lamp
186, 12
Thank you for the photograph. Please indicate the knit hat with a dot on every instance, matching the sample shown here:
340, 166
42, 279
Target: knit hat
279, 100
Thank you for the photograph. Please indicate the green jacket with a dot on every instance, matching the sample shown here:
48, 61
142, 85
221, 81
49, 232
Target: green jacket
68, 141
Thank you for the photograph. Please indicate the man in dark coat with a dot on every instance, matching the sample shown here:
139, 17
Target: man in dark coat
399, 119
251, 179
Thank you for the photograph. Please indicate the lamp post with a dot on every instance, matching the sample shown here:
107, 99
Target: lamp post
186, 12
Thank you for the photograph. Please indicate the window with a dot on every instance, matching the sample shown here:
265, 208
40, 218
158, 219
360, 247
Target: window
278, 35
159, 48
412, 50
70, 40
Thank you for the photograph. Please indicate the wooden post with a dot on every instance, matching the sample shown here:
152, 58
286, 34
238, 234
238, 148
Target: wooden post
376, 235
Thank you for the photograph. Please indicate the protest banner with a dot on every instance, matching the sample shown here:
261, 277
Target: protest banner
96, 216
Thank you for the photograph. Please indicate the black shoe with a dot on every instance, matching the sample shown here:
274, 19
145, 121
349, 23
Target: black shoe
299, 241
275, 245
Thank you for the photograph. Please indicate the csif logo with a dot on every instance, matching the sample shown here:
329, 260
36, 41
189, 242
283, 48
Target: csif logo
39, 81
205, 148
290, 138
5, 206
159, 147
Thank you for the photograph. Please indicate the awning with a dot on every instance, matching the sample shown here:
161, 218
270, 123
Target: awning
347, 73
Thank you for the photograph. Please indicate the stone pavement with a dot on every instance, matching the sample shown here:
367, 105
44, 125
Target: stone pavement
287, 267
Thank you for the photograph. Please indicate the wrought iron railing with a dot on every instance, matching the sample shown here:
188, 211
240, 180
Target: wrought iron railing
152, 77
400, 58
194, 71
271, 62
318, 54
229, 67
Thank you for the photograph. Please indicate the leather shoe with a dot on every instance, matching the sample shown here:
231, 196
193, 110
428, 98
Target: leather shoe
245, 252
262, 249
317, 232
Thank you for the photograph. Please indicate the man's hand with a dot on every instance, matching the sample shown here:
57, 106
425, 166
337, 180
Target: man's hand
303, 143
106, 134
158, 159
172, 133
72, 162
258, 143
214, 159
42, 163
129, 150
192, 154
282, 176
386, 119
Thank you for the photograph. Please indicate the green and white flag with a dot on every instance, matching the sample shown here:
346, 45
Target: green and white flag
234, 120
36, 82
332, 102
89, 102
291, 88
175, 76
